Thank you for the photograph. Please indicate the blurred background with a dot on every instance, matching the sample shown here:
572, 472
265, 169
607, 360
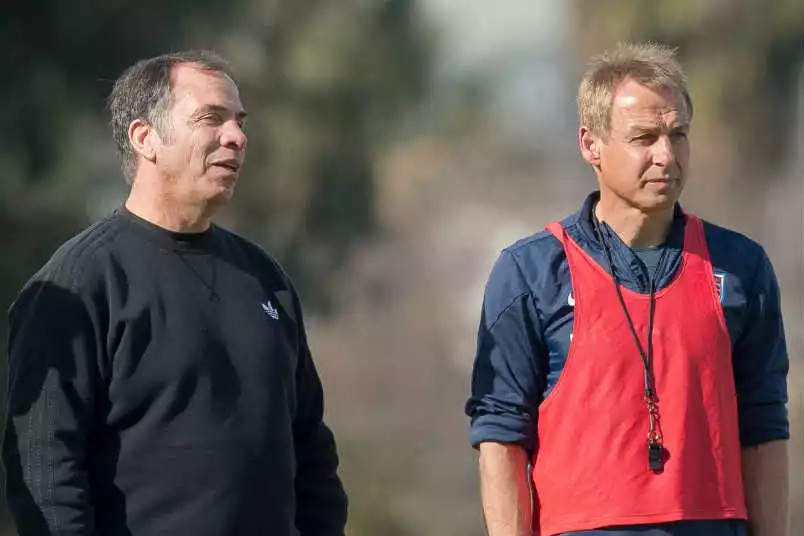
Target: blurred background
395, 147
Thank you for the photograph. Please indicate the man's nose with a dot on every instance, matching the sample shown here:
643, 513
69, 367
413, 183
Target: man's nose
233, 136
664, 154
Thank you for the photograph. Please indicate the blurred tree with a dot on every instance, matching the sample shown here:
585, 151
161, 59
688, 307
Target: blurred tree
61, 59
323, 83
324, 94
742, 59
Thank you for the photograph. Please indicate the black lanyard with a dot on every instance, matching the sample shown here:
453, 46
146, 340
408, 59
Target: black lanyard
651, 399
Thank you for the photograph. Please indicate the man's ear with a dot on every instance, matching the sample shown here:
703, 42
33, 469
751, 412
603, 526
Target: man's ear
590, 146
144, 139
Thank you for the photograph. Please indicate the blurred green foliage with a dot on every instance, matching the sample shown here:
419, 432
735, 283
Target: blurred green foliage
323, 83
742, 58
323, 101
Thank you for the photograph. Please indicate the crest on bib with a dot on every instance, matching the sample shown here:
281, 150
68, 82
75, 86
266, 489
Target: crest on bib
720, 285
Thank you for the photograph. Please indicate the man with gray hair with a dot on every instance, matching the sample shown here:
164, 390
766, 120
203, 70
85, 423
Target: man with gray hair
160, 380
631, 366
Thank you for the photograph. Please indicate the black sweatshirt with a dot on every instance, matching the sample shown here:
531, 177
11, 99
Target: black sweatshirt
161, 384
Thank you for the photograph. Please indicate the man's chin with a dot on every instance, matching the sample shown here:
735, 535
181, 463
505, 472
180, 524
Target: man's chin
661, 196
222, 194
658, 203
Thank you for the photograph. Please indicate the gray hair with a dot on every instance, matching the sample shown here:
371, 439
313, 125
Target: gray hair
145, 91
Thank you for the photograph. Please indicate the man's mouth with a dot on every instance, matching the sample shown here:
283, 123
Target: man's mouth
660, 180
231, 165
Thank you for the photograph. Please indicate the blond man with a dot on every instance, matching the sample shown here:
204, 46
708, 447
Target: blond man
630, 375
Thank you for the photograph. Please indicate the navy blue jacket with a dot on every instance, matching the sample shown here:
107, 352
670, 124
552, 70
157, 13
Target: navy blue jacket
527, 319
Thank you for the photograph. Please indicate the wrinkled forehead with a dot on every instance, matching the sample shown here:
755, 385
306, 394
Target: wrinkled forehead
636, 102
192, 85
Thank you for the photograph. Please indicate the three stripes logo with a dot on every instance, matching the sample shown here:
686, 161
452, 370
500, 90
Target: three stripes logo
269, 309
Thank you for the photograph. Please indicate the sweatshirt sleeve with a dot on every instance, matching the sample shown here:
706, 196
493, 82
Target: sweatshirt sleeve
50, 398
507, 381
761, 362
321, 503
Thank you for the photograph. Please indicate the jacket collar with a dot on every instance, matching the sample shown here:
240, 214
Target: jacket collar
627, 267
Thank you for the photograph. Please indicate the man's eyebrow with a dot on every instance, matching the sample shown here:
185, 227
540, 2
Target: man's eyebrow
221, 109
643, 127
654, 127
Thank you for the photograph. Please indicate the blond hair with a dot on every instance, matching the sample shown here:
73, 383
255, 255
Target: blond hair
650, 64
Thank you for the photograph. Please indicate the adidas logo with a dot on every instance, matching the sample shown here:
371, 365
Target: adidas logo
270, 310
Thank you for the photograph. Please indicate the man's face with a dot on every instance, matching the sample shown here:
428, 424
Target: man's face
203, 146
645, 158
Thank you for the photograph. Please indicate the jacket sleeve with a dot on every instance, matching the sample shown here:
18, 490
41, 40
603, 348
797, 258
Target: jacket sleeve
761, 362
507, 380
321, 503
50, 399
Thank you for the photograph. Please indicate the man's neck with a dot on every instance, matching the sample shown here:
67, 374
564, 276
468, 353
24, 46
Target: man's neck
159, 207
637, 229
